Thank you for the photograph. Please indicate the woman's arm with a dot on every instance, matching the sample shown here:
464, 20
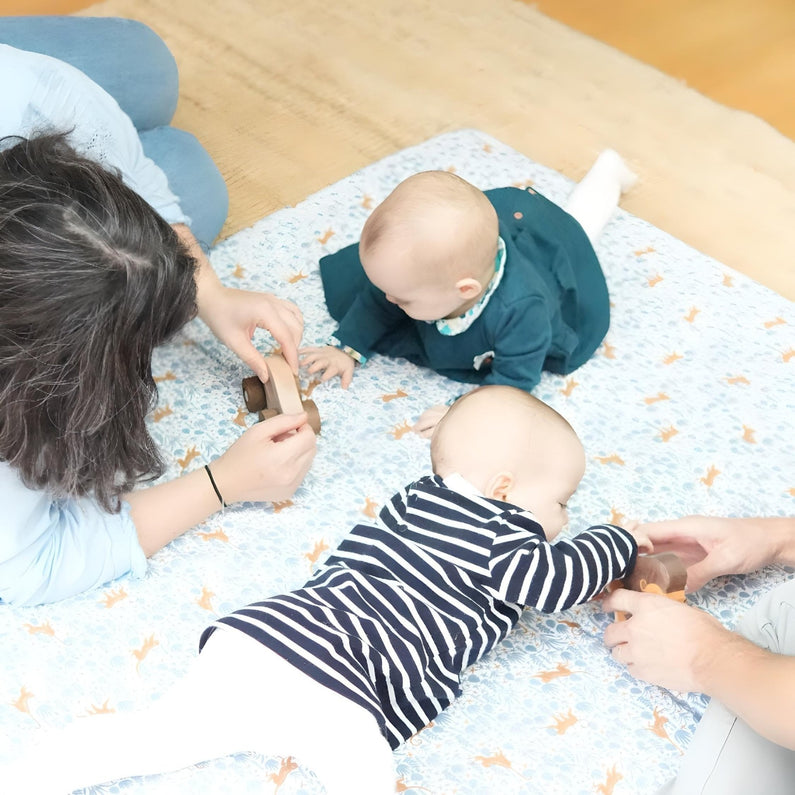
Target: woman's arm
234, 315
267, 463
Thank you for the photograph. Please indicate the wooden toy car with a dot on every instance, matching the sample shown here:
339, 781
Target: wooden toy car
280, 394
662, 573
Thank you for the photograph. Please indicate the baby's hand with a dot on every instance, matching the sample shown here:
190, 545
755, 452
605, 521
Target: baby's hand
429, 419
332, 361
645, 545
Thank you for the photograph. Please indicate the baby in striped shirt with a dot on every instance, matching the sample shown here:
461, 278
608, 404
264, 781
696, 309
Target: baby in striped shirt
342, 671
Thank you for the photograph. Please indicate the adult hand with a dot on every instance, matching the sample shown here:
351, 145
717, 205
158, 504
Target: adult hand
711, 546
331, 361
268, 462
664, 642
234, 315
429, 419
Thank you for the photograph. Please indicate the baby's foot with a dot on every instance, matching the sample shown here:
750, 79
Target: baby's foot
612, 165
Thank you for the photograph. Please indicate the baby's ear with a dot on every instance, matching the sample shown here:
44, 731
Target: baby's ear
468, 287
499, 487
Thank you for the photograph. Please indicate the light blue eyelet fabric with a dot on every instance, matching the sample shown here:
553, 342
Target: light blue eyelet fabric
687, 408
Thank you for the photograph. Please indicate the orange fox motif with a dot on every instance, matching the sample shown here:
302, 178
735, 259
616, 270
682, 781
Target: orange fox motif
113, 597
239, 271
287, 766
498, 759
656, 398
190, 454
672, 357
310, 387
159, 414
401, 786
240, 417
779, 321
658, 726
296, 277
728, 281
278, 507
613, 777
548, 676
654, 280
608, 351
737, 379
399, 431
787, 355
168, 376
313, 556
394, 396
691, 315
205, 600
616, 517
218, 535
709, 478
369, 507
563, 722
642, 251
140, 654
367, 202
103, 710
40, 629
326, 236
23, 703
748, 435
569, 388
610, 459
666, 434
487, 148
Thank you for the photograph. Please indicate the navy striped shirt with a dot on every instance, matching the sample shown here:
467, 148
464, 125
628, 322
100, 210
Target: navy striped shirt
406, 604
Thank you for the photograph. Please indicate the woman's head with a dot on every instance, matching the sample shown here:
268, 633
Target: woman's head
91, 280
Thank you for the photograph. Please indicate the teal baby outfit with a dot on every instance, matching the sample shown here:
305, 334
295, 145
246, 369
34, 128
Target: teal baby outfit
549, 311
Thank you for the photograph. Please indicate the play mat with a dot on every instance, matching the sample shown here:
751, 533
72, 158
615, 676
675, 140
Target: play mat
686, 408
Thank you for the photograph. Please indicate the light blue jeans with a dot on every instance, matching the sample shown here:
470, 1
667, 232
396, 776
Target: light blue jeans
726, 756
134, 65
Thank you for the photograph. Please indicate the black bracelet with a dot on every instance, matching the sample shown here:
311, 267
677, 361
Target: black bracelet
212, 480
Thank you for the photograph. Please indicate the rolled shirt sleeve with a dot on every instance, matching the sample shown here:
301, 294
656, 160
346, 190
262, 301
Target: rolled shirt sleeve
54, 548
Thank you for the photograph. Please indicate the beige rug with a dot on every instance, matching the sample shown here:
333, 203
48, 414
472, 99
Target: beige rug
289, 97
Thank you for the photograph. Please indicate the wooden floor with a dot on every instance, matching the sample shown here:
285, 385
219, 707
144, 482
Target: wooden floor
737, 52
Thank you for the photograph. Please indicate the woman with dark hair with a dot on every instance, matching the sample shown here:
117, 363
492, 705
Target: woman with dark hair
102, 229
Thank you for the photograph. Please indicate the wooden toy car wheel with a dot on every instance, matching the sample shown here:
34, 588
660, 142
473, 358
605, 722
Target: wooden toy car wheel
313, 415
254, 393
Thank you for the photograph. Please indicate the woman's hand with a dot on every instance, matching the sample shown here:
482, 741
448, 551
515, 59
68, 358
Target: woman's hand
234, 315
268, 462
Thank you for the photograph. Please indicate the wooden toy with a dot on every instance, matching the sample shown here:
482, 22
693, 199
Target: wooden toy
663, 573
280, 394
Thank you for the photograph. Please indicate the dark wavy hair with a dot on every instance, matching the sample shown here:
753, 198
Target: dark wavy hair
91, 280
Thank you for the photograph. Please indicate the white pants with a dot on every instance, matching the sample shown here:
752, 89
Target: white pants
726, 756
238, 697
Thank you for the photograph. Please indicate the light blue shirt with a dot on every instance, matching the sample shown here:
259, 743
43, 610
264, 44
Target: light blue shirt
54, 548
42, 94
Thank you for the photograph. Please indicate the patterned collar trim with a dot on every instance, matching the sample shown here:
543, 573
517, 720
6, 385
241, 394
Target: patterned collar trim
450, 326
